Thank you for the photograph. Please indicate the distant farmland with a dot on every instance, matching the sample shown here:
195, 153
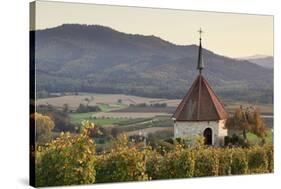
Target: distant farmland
133, 114
116, 107
112, 100
167, 110
74, 101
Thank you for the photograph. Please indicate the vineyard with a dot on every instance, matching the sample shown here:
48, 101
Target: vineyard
71, 160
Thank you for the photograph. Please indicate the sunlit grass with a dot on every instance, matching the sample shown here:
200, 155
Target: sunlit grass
77, 118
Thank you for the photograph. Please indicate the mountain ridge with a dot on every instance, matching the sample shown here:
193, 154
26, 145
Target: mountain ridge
261, 60
95, 58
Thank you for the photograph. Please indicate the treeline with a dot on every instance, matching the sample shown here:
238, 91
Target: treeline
237, 94
70, 160
46, 94
86, 108
156, 105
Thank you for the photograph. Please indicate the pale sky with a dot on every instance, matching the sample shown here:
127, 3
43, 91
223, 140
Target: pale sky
232, 35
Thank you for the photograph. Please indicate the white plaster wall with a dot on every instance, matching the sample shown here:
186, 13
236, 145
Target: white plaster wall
222, 131
190, 129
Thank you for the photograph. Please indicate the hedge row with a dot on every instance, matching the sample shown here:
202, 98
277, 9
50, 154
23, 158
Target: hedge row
131, 164
72, 160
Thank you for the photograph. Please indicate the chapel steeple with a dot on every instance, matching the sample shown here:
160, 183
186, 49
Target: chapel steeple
200, 63
200, 103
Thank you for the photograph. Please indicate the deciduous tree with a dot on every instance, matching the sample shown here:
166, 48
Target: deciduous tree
248, 120
44, 126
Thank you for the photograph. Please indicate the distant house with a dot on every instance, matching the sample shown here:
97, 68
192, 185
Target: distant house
200, 111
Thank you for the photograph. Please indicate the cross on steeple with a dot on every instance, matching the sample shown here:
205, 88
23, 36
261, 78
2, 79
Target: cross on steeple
200, 31
200, 64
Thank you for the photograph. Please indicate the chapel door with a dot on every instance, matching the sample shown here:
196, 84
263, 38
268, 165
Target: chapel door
208, 136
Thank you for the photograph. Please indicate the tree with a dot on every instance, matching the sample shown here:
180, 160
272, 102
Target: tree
44, 126
60, 118
65, 108
88, 101
248, 120
258, 125
81, 108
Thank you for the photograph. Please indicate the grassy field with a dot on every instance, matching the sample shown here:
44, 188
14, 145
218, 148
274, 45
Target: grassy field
255, 140
77, 118
110, 107
133, 121
105, 107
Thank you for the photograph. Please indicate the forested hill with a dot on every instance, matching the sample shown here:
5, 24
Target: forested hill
94, 58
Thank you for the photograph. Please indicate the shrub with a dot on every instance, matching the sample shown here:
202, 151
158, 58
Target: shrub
235, 140
269, 153
184, 161
170, 140
227, 140
123, 163
257, 160
225, 159
239, 164
162, 147
68, 160
177, 164
153, 164
179, 140
71, 160
206, 162
126, 164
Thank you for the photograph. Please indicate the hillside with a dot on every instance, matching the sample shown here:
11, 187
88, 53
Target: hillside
264, 61
94, 58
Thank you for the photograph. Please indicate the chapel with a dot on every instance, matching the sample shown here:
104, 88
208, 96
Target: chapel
201, 112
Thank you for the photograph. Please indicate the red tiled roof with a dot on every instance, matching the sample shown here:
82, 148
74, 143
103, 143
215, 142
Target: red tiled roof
200, 103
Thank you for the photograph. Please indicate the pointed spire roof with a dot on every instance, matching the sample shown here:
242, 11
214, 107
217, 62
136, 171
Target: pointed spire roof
200, 63
200, 103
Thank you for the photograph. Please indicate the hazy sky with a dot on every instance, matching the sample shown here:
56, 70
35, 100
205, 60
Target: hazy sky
233, 35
